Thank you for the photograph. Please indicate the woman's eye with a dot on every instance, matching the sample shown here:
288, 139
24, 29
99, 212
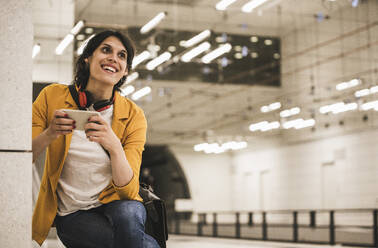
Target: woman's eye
122, 55
105, 49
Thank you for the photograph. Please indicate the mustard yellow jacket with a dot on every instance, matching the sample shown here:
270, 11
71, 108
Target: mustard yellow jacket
129, 124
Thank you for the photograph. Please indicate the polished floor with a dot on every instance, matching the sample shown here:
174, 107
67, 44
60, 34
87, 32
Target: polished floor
182, 241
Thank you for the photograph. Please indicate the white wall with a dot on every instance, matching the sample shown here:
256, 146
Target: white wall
339, 172
52, 22
332, 173
209, 179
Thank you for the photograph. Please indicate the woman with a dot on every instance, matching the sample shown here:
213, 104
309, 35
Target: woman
90, 185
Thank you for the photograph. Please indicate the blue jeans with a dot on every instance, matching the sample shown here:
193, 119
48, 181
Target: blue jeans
119, 224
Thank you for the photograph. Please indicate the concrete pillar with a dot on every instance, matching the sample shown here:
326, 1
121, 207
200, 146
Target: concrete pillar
15, 126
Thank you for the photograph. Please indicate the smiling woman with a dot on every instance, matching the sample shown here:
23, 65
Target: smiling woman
90, 187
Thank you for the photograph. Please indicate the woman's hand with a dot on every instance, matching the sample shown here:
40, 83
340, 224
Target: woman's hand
61, 124
98, 130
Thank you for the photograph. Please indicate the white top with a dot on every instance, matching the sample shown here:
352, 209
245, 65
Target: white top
86, 172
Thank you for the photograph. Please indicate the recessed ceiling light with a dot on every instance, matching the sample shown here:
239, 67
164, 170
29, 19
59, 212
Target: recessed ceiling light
254, 39
276, 56
89, 30
237, 48
238, 56
268, 42
172, 49
80, 37
254, 55
219, 39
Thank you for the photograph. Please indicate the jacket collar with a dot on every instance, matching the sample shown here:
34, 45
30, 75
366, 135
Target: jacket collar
121, 107
69, 100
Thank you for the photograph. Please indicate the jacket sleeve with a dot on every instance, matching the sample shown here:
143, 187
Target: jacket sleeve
133, 146
39, 116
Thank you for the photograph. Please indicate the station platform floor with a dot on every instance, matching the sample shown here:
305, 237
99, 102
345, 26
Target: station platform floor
183, 241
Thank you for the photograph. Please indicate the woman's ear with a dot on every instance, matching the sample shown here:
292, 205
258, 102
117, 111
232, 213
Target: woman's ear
86, 60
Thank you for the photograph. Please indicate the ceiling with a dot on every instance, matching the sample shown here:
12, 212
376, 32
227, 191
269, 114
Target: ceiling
319, 42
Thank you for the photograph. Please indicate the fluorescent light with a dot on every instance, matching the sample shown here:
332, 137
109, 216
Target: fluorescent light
200, 147
76, 29
264, 126
338, 108
305, 123
374, 89
196, 39
251, 5
82, 46
195, 51
275, 105
219, 148
257, 126
153, 23
36, 50
132, 77
370, 105
299, 123
290, 112
270, 126
222, 5
63, 44
127, 90
214, 148
365, 92
225, 48
158, 60
140, 58
141, 93
270, 107
349, 84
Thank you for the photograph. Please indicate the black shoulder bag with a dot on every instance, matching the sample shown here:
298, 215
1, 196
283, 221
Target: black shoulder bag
156, 223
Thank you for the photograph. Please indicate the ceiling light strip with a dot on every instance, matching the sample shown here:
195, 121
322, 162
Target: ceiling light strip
153, 22
132, 77
140, 58
158, 60
270, 107
222, 5
251, 5
64, 43
187, 57
127, 90
141, 93
225, 48
82, 46
366, 92
69, 38
36, 50
348, 84
196, 39
76, 29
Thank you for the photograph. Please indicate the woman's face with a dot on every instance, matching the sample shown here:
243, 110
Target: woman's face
108, 62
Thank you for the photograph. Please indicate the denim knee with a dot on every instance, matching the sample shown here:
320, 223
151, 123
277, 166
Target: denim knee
124, 212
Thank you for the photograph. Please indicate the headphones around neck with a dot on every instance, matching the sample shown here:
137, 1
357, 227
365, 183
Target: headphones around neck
84, 99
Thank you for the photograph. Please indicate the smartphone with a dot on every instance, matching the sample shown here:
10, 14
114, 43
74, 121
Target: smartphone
80, 117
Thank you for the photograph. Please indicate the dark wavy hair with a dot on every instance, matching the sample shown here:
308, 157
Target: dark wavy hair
82, 69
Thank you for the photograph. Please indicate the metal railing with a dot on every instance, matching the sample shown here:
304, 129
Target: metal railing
355, 227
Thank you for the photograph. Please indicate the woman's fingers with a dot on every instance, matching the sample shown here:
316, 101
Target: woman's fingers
62, 124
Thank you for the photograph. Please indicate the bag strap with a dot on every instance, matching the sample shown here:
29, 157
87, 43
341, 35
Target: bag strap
75, 96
